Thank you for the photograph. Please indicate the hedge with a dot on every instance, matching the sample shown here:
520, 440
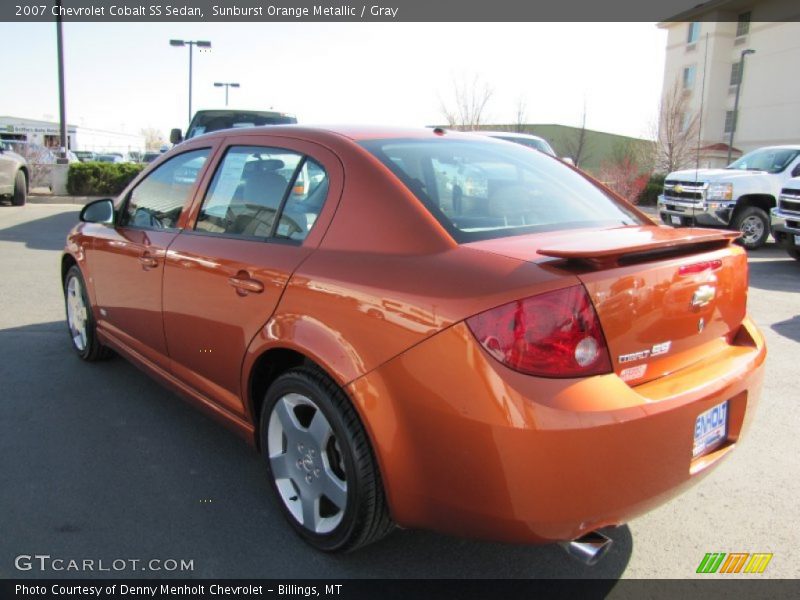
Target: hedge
652, 190
100, 179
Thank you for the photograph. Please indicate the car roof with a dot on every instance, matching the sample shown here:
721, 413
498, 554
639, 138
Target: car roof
352, 132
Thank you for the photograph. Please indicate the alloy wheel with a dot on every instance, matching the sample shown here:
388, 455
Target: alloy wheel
77, 315
307, 463
752, 229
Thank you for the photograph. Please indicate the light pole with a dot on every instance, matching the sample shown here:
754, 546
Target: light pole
226, 86
191, 43
736, 100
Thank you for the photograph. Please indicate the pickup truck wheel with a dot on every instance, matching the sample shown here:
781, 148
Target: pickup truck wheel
753, 222
20, 189
321, 464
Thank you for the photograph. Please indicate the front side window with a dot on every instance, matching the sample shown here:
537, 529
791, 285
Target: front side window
157, 201
479, 190
254, 184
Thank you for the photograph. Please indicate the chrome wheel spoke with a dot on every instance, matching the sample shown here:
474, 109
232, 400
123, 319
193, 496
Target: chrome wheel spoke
311, 516
280, 465
288, 419
320, 429
334, 489
77, 314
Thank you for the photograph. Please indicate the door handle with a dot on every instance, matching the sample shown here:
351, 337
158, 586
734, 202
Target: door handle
245, 285
148, 262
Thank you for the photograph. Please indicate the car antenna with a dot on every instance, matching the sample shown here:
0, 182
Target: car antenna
700, 121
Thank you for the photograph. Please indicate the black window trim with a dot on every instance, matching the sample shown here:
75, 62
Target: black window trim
271, 237
187, 203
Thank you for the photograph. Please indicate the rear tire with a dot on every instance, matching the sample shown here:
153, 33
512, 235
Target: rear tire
753, 223
80, 319
320, 463
20, 189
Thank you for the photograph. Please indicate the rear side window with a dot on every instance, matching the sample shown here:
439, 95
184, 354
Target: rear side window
254, 184
157, 201
481, 190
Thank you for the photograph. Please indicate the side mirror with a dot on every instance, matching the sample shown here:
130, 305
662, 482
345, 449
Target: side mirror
568, 160
175, 136
99, 211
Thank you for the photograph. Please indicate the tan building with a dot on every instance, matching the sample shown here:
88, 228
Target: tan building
704, 50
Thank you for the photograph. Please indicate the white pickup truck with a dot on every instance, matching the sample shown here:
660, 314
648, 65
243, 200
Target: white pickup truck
786, 218
739, 196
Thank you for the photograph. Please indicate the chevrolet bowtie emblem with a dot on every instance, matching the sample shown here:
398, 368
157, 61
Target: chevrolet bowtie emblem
703, 295
678, 189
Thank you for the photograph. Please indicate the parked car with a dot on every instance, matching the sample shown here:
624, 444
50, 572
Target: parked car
109, 158
14, 175
786, 218
149, 157
206, 121
740, 196
85, 155
539, 363
524, 139
38, 154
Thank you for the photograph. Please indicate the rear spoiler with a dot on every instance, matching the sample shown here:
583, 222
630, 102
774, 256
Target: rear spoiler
627, 245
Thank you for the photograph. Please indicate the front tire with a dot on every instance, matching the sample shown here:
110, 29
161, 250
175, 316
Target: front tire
80, 319
321, 464
20, 189
754, 224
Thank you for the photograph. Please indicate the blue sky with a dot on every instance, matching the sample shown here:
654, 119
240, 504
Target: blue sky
125, 76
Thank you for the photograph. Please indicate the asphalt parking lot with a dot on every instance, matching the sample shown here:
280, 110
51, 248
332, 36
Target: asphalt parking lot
100, 462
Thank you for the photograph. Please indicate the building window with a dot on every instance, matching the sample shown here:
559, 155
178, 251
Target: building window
694, 33
736, 73
743, 26
729, 121
688, 77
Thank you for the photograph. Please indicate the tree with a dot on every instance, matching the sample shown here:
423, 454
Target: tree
467, 109
623, 172
153, 139
521, 116
576, 145
676, 132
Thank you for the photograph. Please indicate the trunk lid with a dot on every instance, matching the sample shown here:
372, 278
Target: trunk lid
666, 298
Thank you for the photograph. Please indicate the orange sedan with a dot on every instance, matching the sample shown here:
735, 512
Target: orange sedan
424, 328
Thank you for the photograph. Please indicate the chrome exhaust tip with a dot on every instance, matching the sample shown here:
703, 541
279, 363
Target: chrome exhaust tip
588, 549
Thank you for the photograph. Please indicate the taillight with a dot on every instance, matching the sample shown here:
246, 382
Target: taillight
555, 334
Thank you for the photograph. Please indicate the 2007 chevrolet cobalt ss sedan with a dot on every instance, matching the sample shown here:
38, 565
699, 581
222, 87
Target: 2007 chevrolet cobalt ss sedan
424, 328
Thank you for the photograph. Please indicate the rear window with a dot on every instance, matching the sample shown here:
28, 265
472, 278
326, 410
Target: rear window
482, 190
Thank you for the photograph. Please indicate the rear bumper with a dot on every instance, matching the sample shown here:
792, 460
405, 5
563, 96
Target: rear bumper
486, 452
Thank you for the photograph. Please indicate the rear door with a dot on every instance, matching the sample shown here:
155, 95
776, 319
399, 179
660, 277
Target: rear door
225, 273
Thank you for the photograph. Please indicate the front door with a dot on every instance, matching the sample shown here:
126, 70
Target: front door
128, 260
226, 271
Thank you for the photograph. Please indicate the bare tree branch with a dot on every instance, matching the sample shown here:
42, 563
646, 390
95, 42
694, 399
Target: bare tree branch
676, 132
467, 111
577, 145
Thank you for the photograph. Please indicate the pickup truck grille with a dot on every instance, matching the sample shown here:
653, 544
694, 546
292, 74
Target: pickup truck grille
789, 201
684, 190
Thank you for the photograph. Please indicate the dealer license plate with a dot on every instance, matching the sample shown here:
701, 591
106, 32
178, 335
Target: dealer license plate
797, 240
676, 220
710, 429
